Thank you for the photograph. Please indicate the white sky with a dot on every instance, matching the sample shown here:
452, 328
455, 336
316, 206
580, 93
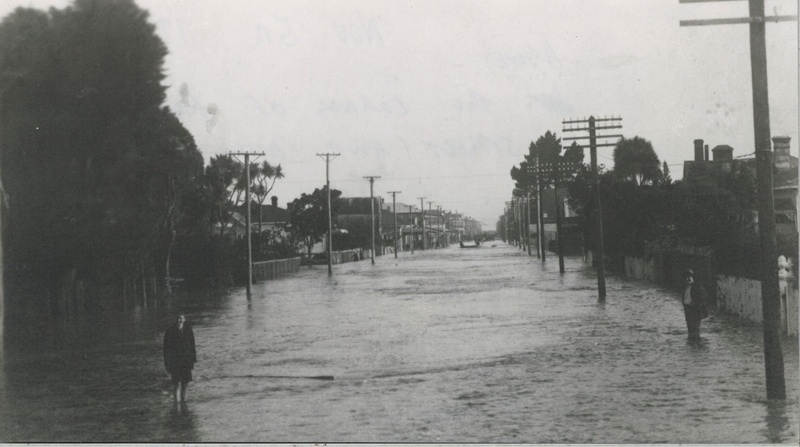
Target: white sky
442, 97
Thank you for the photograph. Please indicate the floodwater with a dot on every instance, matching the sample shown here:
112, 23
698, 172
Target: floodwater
450, 345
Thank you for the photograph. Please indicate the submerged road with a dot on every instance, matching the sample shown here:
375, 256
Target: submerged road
450, 345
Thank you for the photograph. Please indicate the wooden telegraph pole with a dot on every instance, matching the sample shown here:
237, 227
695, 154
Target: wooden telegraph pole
394, 212
247, 218
528, 219
534, 178
558, 172
577, 125
521, 221
422, 216
329, 247
372, 212
430, 213
770, 293
506, 223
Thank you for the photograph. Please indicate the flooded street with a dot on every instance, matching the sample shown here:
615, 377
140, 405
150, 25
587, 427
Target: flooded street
451, 345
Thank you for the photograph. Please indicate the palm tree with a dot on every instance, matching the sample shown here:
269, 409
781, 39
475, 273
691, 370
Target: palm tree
262, 185
224, 175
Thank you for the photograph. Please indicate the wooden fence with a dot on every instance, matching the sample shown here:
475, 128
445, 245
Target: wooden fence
269, 270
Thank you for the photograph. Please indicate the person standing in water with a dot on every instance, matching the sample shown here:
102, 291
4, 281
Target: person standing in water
180, 355
694, 305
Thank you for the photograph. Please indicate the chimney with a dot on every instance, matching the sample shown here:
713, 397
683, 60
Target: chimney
274, 201
781, 147
706, 147
698, 150
723, 152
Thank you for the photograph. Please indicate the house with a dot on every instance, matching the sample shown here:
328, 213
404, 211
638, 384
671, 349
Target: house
274, 220
439, 230
784, 178
355, 217
408, 228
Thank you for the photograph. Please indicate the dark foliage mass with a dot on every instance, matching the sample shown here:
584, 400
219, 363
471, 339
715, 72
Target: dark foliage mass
106, 194
309, 216
644, 211
97, 173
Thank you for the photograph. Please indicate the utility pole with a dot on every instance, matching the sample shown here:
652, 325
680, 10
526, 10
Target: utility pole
533, 176
439, 223
394, 212
528, 220
540, 211
411, 219
372, 212
557, 172
539, 229
770, 290
592, 128
517, 229
520, 222
422, 215
430, 213
247, 218
327, 157
506, 214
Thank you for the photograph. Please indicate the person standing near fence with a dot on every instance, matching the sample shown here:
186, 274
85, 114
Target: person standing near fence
694, 305
180, 355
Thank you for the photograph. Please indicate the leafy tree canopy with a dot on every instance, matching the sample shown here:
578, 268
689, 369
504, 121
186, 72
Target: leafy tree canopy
309, 215
95, 168
635, 160
546, 153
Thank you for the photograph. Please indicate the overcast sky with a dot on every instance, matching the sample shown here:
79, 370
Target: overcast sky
441, 98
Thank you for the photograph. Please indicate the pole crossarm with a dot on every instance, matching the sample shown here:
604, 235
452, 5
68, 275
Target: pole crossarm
598, 136
559, 171
577, 129
586, 120
246, 153
709, 1
753, 18
583, 146
738, 20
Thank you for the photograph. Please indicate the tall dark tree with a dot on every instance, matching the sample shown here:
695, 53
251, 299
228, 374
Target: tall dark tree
93, 165
309, 216
636, 160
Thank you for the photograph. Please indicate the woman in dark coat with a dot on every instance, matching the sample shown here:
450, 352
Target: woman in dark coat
179, 355
694, 305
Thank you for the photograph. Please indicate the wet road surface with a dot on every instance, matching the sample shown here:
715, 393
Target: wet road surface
451, 345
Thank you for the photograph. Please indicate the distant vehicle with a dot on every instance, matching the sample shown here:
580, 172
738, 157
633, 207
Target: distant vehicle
475, 245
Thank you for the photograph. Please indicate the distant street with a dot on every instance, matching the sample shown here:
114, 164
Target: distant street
451, 345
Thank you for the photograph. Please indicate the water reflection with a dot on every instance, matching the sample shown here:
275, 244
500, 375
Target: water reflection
698, 345
181, 423
777, 422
